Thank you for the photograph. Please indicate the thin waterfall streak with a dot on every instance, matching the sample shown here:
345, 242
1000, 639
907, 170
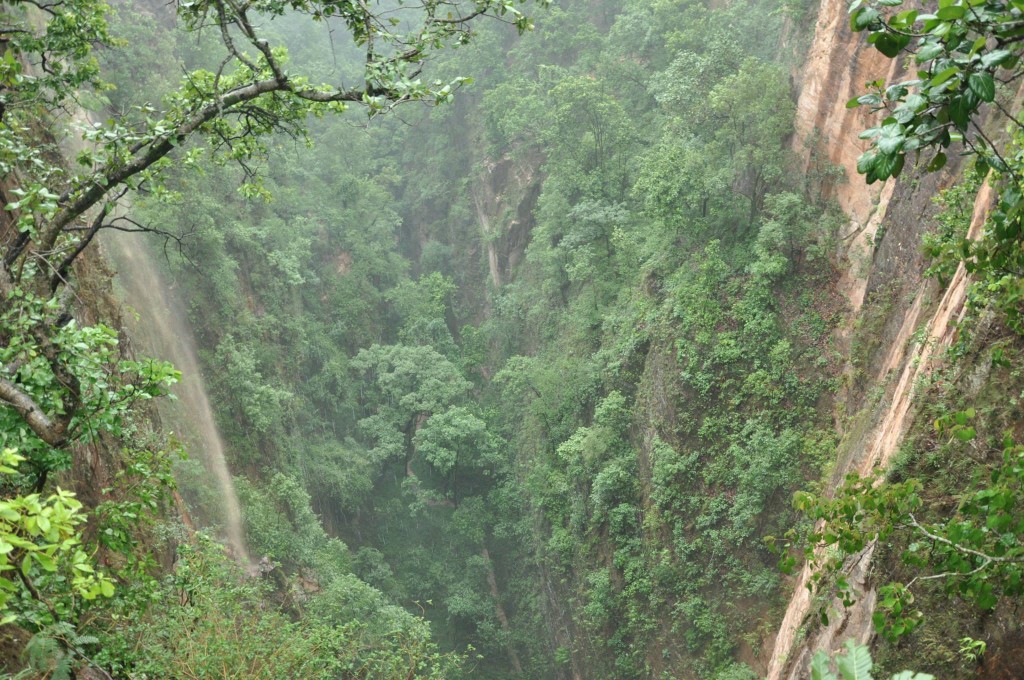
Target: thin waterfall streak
162, 330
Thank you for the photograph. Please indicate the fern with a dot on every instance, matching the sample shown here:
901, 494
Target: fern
50, 652
46, 655
820, 668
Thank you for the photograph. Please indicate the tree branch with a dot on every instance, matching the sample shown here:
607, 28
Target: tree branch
46, 429
986, 559
82, 196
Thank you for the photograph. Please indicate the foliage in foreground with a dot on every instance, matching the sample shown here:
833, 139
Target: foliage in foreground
978, 552
854, 664
968, 59
41, 548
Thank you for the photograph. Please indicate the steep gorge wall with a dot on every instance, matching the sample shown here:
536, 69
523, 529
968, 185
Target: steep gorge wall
837, 67
889, 299
505, 194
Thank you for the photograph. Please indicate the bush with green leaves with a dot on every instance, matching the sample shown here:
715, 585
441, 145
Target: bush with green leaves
67, 388
44, 566
977, 553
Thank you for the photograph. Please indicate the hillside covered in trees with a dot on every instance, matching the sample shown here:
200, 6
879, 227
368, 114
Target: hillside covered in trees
499, 339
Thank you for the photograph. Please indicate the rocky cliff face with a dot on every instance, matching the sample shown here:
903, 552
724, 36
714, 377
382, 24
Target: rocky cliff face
882, 253
837, 68
504, 196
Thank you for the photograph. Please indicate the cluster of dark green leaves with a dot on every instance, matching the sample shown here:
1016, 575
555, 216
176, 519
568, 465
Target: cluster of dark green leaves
961, 50
41, 545
108, 386
996, 260
944, 244
966, 52
982, 547
861, 511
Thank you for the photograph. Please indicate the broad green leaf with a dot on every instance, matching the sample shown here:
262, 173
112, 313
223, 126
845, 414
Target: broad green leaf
952, 13
995, 58
986, 598
864, 165
966, 434
960, 110
983, 85
943, 76
890, 44
862, 18
820, 669
937, 163
856, 663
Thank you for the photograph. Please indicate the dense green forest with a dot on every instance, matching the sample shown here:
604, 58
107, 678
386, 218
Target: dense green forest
538, 370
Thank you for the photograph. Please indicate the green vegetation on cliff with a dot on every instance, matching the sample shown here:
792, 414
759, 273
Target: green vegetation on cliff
514, 387
550, 361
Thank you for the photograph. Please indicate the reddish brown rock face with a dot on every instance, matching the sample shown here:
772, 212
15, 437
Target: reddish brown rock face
837, 67
1006, 660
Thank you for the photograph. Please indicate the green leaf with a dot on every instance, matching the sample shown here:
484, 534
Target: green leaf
820, 669
937, 163
983, 85
960, 110
891, 140
889, 44
862, 18
995, 58
928, 51
888, 165
866, 162
951, 13
45, 561
856, 663
943, 76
